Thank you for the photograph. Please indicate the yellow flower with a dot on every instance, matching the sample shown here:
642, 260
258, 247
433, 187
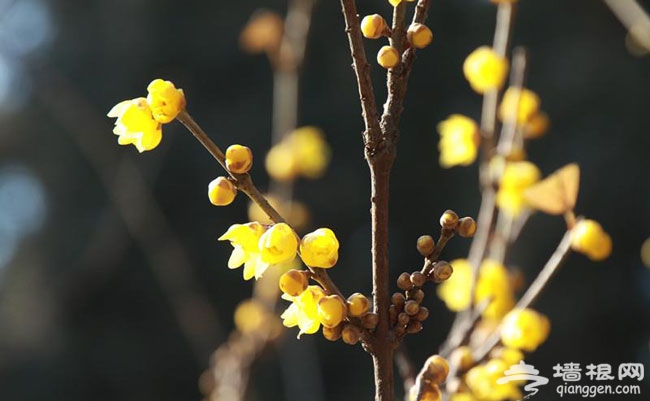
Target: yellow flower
373, 26
358, 304
303, 152
245, 239
221, 191
589, 238
459, 139
485, 69
455, 291
165, 100
494, 284
320, 248
293, 282
331, 311
388, 57
135, 124
516, 178
419, 35
482, 381
239, 159
524, 329
252, 316
519, 104
278, 244
303, 311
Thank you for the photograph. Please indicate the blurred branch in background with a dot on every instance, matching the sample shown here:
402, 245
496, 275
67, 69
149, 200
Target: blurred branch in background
143, 218
636, 21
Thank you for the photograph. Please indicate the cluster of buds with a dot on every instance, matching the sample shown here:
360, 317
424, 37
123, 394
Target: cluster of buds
374, 26
222, 190
406, 311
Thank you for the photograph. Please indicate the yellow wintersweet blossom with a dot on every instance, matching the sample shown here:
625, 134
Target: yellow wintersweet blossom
278, 244
320, 248
165, 101
524, 329
516, 178
459, 140
485, 69
482, 381
519, 104
589, 237
252, 316
135, 124
303, 311
304, 152
494, 284
245, 240
455, 291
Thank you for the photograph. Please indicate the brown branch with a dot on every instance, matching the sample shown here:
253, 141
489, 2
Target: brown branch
372, 134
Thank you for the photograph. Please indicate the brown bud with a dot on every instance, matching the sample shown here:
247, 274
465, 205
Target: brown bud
449, 220
418, 279
398, 300
426, 244
404, 281
333, 333
413, 327
431, 393
423, 314
416, 295
442, 271
411, 308
437, 369
370, 320
403, 319
350, 334
466, 227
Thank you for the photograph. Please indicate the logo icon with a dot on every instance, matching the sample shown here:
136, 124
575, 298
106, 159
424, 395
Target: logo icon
525, 372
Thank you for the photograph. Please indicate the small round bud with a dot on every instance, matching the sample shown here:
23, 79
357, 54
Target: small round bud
437, 369
333, 333
398, 299
418, 279
350, 334
462, 357
404, 282
485, 69
426, 245
221, 191
419, 35
415, 295
403, 319
423, 314
392, 314
589, 238
411, 308
293, 282
449, 220
388, 57
466, 227
414, 326
442, 271
370, 320
358, 304
331, 310
320, 248
373, 26
239, 159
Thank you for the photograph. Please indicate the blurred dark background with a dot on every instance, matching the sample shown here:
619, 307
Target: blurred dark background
89, 306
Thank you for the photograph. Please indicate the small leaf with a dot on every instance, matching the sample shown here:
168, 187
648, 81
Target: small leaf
556, 194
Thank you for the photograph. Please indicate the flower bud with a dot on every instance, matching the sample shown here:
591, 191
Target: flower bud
370, 320
373, 26
358, 304
221, 191
418, 279
239, 159
442, 271
398, 300
404, 281
388, 57
333, 333
589, 238
426, 245
331, 310
519, 105
293, 282
437, 369
449, 220
419, 35
414, 327
411, 308
403, 319
466, 227
423, 314
165, 101
415, 295
278, 244
350, 334
462, 357
320, 248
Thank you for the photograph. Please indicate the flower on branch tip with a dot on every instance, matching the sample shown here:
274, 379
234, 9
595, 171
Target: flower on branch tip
221, 191
459, 140
320, 248
278, 244
303, 311
245, 240
485, 69
517, 177
419, 35
524, 329
519, 105
165, 101
373, 26
588, 237
135, 124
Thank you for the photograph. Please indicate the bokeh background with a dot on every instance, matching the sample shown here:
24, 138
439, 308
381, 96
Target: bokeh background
102, 250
